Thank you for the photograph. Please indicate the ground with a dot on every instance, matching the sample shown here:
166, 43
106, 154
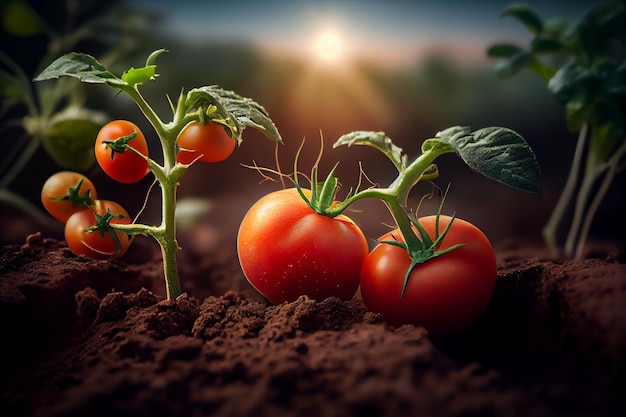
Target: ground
94, 338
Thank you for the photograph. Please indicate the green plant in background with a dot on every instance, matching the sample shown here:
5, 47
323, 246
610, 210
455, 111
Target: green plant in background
584, 67
54, 116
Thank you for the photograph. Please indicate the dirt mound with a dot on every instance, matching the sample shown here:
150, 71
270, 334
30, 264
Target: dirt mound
92, 338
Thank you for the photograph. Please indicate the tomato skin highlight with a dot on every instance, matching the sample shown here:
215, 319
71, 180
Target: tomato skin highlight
447, 294
286, 250
57, 186
91, 244
125, 167
207, 142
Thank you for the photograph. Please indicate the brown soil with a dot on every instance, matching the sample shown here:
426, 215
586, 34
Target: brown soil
93, 338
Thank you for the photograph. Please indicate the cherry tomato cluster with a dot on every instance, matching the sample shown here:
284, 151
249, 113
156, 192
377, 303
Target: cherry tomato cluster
71, 197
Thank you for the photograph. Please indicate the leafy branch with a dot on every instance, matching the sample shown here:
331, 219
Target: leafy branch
495, 152
584, 67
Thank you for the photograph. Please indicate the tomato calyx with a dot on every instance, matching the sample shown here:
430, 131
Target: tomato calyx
74, 195
120, 144
103, 226
423, 248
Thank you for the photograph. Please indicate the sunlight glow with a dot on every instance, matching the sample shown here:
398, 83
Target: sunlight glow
329, 46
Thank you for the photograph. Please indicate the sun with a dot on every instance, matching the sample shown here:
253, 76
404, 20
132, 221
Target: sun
329, 46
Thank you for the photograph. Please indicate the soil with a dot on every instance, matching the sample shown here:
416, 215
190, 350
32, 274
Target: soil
93, 338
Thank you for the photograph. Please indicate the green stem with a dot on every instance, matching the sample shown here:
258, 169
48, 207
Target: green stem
168, 242
168, 177
550, 229
592, 170
399, 190
613, 166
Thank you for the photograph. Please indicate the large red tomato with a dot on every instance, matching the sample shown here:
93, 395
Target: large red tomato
287, 250
446, 294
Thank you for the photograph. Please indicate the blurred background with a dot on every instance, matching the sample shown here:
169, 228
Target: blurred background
321, 69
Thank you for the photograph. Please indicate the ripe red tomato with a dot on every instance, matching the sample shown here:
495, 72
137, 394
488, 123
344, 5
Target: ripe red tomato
61, 196
447, 294
209, 142
91, 244
125, 167
286, 250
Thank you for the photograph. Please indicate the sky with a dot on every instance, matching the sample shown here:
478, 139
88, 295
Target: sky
394, 30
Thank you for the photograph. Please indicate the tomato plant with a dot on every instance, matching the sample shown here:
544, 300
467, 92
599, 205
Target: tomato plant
446, 294
90, 232
122, 153
204, 142
113, 153
67, 192
286, 249
438, 272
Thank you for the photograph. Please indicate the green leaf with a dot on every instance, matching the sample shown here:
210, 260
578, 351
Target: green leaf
71, 137
135, 76
82, 66
514, 64
503, 50
545, 43
599, 27
498, 153
570, 80
377, 140
525, 15
241, 111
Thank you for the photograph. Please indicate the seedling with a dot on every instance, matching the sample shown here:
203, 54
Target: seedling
121, 148
583, 67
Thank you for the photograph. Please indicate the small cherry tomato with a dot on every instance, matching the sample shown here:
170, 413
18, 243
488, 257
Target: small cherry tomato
91, 243
67, 192
286, 250
207, 142
125, 166
446, 294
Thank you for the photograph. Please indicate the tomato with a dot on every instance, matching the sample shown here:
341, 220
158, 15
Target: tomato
207, 142
62, 196
286, 250
92, 244
125, 167
446, 294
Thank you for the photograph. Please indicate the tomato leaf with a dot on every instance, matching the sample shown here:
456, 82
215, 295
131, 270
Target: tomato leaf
377, 140
496, 152
525, 15
244, 112
82, 66
503, 50
136, 76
